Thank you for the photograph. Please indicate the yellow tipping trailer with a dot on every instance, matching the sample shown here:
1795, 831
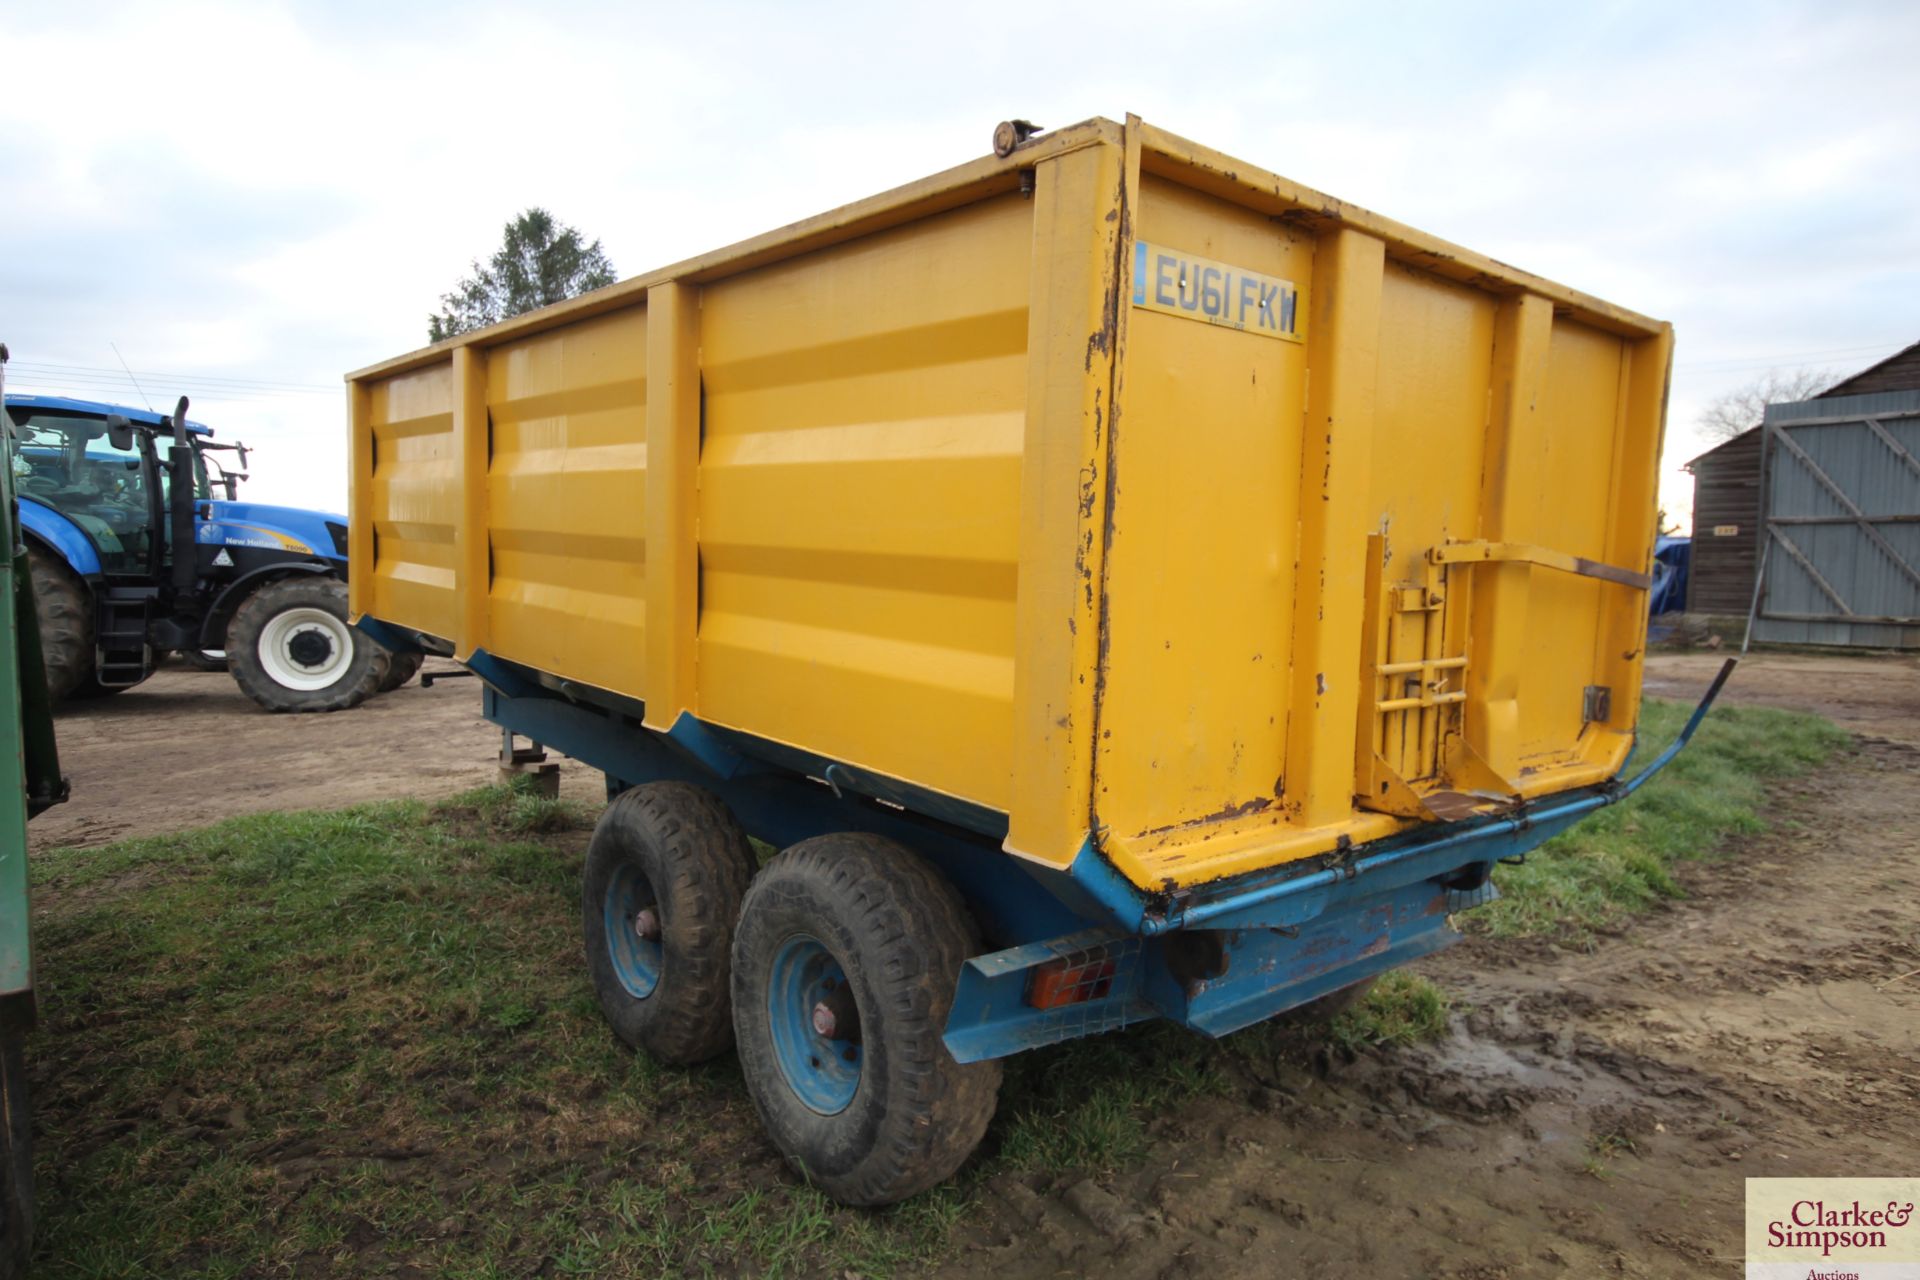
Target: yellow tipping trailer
1248, 569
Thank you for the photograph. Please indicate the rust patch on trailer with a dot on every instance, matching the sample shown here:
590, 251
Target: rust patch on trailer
1100, 341
1259, 805
1113, 319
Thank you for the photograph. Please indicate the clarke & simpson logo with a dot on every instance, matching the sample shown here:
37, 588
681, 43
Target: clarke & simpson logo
1833, 1229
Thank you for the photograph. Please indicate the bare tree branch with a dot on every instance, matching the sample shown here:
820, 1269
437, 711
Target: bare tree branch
1744, 406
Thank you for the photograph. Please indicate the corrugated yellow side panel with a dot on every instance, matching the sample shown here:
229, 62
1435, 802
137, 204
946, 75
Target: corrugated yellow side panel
1571, 513
1238, 523
1429, 449
414, 484
566, 500
1283, 516
1201, 557
859, 490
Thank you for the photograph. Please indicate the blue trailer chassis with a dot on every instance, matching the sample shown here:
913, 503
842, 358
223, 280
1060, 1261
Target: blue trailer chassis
1216, 957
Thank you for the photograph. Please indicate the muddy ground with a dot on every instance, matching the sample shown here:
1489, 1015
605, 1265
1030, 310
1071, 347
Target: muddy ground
1594, 1112
188, 748
1874, 695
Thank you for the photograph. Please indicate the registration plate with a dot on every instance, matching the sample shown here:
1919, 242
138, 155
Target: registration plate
1184, 284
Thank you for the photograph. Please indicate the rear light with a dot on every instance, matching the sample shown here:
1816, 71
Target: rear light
1086, 975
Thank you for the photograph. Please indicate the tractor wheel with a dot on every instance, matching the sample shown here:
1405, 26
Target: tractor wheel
66, 623
844, 966
401, 667
290, 648
16, 1159
205, 659
665, 874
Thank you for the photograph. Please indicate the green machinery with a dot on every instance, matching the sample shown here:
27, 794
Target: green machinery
32, 783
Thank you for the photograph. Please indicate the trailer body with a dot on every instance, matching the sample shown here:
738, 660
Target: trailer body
1212, 578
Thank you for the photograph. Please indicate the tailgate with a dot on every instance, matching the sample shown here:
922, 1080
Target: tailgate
1377, 541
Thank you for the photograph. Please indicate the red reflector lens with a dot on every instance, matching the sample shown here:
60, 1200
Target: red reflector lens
1069, 980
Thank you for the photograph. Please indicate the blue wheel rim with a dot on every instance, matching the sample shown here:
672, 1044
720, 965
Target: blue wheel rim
823, 1071
636, 960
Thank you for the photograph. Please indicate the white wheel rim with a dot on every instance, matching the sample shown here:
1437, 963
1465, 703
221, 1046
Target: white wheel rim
283, 632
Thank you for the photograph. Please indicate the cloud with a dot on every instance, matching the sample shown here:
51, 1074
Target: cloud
282, 191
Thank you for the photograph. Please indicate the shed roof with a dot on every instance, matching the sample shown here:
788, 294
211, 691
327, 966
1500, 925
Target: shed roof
1846, 386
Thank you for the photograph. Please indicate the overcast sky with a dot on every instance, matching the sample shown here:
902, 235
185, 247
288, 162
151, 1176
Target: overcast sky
250, 199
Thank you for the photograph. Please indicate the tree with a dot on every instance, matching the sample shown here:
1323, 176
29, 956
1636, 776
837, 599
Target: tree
1744, 406
540, 261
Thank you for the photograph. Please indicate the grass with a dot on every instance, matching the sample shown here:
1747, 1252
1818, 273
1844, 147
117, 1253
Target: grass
1622, 859
363, 1043
1402, 1008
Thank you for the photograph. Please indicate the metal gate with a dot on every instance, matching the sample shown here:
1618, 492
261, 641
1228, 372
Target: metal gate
1841, 510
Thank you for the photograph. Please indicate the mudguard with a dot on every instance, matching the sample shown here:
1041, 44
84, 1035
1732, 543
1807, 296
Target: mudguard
61, 536
213, 630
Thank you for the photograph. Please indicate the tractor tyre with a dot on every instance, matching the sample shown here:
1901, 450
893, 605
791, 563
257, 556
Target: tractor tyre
401, 667
844, 968
290, 648
66, 623
16, 1159
666, 871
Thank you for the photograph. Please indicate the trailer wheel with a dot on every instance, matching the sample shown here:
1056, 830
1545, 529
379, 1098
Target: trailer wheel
66, 622
666, 872
16, 1160
844, 967
290, 648
401, 667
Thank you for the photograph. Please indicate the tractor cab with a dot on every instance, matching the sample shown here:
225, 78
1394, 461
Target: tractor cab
140, 545
104, 473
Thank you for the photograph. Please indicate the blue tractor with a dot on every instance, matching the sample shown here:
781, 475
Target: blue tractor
108, 497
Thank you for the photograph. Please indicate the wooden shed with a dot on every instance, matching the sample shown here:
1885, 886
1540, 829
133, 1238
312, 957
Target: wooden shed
1726, 525
1729, 496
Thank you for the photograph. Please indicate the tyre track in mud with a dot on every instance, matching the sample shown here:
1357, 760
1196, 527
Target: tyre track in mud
1592, 1113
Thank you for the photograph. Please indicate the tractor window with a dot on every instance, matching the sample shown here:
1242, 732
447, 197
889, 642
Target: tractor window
66, 461
202, 490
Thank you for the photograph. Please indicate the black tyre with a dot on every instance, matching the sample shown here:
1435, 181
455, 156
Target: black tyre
16, 1160
401, 667
66, 622
290, 648
666, 872
205, 659
844, 965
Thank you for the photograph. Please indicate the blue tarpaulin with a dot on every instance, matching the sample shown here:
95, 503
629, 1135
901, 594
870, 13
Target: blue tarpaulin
1671, 556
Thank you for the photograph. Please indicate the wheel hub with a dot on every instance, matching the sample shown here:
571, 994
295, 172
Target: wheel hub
815, 1024
310, 648
835, 1015
305, 647
631, 918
